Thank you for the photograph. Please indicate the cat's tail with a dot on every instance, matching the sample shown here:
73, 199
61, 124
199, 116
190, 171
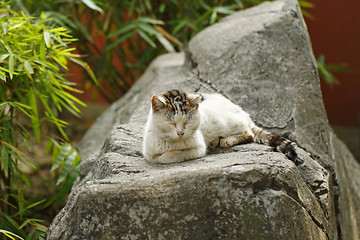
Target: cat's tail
279, 143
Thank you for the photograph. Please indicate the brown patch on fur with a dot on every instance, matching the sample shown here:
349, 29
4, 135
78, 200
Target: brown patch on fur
283, 145
276, 140
177, 100
247, 139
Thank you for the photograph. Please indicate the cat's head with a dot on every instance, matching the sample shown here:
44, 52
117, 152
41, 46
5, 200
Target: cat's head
175, 114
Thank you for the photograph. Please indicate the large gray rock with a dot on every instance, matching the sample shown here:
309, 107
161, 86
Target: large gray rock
260, 58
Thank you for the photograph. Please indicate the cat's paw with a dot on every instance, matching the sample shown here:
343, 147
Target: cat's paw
170, 157
228, 142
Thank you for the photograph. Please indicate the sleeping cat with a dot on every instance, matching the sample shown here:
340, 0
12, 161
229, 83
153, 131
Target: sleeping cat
182, 126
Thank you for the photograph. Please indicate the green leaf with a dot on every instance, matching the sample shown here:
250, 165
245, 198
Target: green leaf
28, 207
28, 68
47, 38
66, 169
92, 5
13, 225
326, 69
146, 38
179, 26
48, 147
3, 57
119, 40
151, 21
213, 17
43, 15
10, 234
65, 150
240, 4
5, 27
86, 67
4, 158
122, 30
3, 76
148, 28
35, 115
306, 4
166, 44
225, 9
11, 65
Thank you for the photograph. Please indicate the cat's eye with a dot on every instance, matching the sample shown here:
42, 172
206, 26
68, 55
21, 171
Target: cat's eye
174, 124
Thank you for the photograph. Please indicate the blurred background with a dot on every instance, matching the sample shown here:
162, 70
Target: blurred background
332, 25
63, 62
334, 32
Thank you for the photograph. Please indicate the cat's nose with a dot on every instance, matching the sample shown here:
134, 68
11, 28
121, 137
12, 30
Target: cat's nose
179, 133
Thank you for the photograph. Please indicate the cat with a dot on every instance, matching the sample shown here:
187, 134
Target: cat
183, 126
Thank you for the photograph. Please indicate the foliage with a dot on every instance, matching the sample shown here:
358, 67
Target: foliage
120, 38
117, 38
66, 163
10, 234
33, 90
325, 70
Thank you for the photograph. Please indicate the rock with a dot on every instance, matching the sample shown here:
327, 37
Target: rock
260, 58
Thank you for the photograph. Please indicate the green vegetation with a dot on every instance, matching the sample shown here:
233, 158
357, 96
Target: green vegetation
33, 89
118, 39
326, 70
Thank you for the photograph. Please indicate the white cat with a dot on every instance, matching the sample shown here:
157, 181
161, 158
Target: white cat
182, 126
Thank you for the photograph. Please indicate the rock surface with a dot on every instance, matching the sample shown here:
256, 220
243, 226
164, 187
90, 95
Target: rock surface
260, 58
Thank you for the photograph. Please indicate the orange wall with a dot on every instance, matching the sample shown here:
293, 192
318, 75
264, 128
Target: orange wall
335, 32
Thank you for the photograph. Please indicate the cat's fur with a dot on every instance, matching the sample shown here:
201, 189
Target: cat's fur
182, 126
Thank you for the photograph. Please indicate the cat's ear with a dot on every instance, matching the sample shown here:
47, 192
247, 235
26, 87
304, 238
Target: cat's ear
156, 103
195, 101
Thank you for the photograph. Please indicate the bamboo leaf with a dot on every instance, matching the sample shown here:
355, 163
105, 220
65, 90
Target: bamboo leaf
225, 9
13, 224
69, 181
86, 67
66, 169
146, 38
92, 5
28, 208
5, 27
151, 21
122, 30
168, 35
10, 234
35, 115
28, 68
4, 56
179, 26
4, 159
12, 147
48, 147
213, 17
306, 4
148, 28
11, 65
47, 38
119, 40
65, 150
166, 44
3, 76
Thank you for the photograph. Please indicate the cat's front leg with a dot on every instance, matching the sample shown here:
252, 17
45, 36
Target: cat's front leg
181, 155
